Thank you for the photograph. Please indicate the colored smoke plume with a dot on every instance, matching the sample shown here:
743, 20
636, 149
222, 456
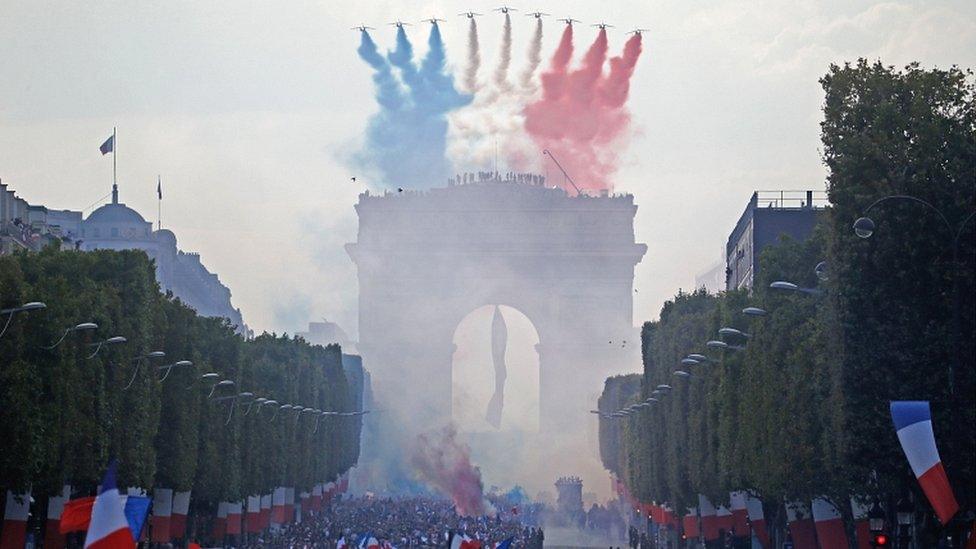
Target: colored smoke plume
504, 57
494, 124
581, 114
444, 463
535, 58
474, 58
406, 141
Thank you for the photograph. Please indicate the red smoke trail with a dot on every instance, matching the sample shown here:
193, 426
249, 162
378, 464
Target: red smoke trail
615, 89
444, 463
553, 80
581, 114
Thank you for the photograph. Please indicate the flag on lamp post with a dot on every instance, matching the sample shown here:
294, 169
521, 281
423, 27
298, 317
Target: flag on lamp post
913, 423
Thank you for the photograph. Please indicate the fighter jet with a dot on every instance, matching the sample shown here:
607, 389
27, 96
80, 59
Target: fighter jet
602, 25
638, 32
569, 21
432, 20
505, 9
399, 24
469, 14
536, 14
361, 28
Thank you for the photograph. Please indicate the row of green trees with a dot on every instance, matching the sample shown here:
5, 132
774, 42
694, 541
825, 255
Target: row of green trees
63, 415
802, 411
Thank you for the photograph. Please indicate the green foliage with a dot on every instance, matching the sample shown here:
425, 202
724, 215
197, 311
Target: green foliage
62, 415
802, 410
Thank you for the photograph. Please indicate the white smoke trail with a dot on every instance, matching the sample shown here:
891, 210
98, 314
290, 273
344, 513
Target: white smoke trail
505, 57
535, 58
492, 126
474, 59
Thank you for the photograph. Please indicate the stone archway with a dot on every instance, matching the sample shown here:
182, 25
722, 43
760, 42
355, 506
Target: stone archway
425, 260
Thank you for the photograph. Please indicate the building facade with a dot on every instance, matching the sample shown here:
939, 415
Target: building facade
768, 216
115, 226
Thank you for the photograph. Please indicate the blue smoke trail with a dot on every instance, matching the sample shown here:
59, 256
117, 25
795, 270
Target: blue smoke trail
406, 141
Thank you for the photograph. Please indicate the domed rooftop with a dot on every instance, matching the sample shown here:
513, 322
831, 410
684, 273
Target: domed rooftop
115, 213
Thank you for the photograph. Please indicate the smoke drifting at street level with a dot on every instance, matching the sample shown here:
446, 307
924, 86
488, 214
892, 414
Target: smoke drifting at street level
406, 140
444, 463
581, 114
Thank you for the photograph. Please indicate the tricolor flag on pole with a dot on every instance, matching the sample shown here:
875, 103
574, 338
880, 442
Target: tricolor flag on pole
913, 422
109, 528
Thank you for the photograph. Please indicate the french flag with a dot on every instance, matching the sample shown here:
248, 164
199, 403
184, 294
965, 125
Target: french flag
15, 515
109, 528
689, 523
862, 532
757, 518
829, 525
740, 516
802, 529
709, 522
181, 508
913, 422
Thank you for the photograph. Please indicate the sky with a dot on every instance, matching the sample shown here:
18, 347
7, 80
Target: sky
252, 113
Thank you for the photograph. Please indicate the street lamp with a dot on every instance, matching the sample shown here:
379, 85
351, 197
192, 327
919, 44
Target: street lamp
789, 286
822, 271
733, 332
864, 228
26, 307
169, 368
84, 326
138, 360
222, 383
117, 340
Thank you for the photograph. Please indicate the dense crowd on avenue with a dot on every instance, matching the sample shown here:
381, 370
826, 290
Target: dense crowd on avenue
403, 522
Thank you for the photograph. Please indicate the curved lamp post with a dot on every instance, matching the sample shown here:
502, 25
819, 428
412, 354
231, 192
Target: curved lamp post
138, 360
169, 368
26, 307
117, 340
864, 227
84, 326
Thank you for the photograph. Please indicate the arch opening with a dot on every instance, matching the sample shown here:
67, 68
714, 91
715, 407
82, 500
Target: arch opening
495, 371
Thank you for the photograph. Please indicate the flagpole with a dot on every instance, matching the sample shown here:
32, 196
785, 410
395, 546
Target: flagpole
159, 203
115, 155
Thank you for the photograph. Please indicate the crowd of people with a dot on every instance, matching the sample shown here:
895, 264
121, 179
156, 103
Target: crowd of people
400, 523
494, 176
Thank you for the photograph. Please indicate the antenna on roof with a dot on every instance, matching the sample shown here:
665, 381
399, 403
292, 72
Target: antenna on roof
558, 165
